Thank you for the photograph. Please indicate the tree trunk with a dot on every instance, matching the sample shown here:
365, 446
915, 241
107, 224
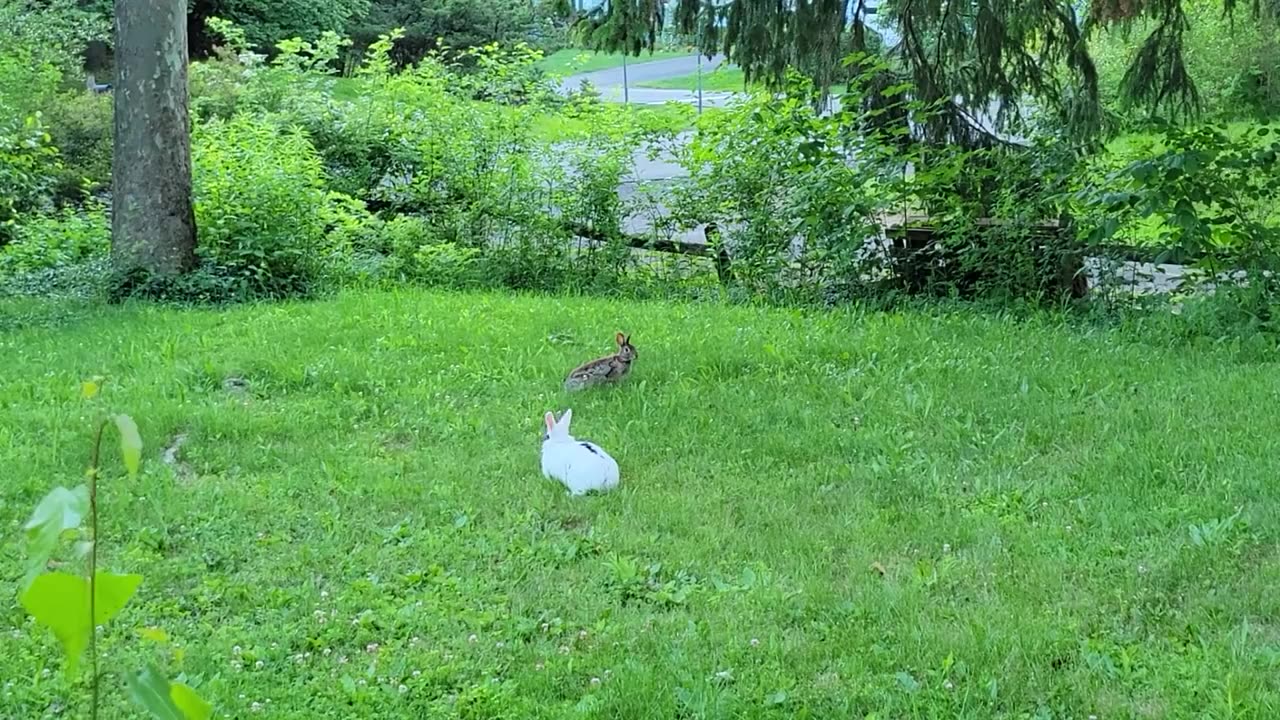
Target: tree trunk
153, 225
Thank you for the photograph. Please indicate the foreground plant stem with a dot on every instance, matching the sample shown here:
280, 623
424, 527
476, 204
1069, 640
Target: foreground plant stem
93, 566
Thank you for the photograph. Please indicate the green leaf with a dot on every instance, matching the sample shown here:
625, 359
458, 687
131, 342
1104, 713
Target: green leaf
60, 602
193, 706
62, 506
150, 690
130, 443
61, 510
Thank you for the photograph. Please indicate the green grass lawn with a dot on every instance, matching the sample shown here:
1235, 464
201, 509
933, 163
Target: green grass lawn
570, 61
821, 515
1142, 143
721, 79
670, 117
724, 78
552, 127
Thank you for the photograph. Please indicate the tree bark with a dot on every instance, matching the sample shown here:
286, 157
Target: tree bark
153, 225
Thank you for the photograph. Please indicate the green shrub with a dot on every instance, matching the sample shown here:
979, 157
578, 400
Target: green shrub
266, 23
216, 87
419, 143
58, 253
457, 24
990, 210
772, 175
260, 206
1208, 198
67, 237
504, 75
27, 85
42, 42
28, 168
436, 176
80, 125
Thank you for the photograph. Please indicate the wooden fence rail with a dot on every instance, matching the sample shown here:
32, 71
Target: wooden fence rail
913, 251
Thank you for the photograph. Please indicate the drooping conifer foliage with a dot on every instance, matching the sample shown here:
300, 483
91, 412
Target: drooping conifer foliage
982, 63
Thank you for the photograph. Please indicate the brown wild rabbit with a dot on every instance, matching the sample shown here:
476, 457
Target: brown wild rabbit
603, 370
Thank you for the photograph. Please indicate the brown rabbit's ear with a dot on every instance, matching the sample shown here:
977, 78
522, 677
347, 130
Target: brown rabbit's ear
550, 419
622, 339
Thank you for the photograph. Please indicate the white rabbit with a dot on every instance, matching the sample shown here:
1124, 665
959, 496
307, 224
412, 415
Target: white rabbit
582, 466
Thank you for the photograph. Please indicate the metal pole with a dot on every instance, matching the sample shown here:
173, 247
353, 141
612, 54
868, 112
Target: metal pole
626, 91
699, 81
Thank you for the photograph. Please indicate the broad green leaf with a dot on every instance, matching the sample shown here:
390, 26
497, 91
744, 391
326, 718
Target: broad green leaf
63, 506
60, 602
130, 443
61, 510
149, 689
193, 706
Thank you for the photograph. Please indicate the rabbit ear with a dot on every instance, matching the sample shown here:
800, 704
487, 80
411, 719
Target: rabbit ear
550, 420
621, 339
564, 420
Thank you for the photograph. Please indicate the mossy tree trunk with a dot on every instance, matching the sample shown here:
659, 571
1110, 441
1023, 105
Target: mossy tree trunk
153, 226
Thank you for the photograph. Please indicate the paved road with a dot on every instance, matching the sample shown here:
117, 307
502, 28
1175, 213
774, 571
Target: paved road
609, 82
643, 71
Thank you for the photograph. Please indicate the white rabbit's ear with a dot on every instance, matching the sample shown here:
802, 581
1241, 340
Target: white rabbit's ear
564, 420
550, 420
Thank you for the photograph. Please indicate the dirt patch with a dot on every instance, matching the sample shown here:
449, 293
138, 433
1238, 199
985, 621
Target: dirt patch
172, 456
398, 442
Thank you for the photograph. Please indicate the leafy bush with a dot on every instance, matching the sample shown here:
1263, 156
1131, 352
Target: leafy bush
27, 84
45, 35
260, 206
265, 24
419, 143
800, 200
1208, 198
456, 24
66, 238
508, 76
217, 88
28, 167
41, 51
777, 181
999, 221
435, 176
80, 125
1214, 193
59, 254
